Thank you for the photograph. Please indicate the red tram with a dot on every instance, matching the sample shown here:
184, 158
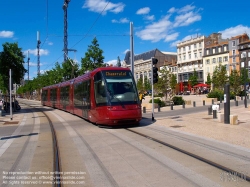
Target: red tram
105, 96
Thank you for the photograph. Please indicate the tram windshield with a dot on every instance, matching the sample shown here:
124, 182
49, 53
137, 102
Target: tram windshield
121, 88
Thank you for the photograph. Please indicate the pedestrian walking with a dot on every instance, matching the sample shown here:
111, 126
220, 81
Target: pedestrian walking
141, 96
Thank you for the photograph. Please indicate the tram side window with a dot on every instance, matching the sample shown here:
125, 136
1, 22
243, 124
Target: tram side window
77, 95
66, 95
44, 95
100, 91
86, 94
61, 94
53, 94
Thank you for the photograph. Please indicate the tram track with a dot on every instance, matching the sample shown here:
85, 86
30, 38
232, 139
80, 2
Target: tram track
236, 155
57, 162
21, 155
57, 178
88, 149
207, 161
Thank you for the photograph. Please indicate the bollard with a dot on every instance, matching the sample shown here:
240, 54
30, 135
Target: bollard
144, 109
159, 108
241, 98
1, 110
247, 96
171, 106
193, 103
209, 110
220, 99
214, 114
236, 103
212, 101
203, 102
183, 105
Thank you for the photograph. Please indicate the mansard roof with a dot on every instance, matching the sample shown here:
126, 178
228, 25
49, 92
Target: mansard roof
143, 56
146, 55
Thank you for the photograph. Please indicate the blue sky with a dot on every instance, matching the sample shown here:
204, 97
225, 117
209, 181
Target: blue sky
157, 24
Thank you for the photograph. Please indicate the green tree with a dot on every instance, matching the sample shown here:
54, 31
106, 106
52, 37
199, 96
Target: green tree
69, 69
12, 58
163, 84
209, 81
193, 79
2, 88
235, 82
139, 85
147, 84
220, 77
118, 62
244, 76
93, 57
173, 82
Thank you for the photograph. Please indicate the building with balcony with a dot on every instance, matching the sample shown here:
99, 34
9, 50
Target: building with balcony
215, 54
234, 56
244, 55
190, 56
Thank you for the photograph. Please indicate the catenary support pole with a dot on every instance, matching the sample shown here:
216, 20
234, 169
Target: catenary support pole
227, 104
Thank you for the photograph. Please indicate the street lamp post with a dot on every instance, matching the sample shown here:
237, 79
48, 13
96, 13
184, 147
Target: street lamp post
245, 82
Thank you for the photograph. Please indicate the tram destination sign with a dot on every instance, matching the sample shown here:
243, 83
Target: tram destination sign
116, 74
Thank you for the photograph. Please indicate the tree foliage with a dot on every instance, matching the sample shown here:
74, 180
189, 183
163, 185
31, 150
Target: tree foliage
93, 57
235, 82
244, 76
147, 84
173, 81
163, 84
139, 85
209, 81
2, 85
220, 77
69, 69
11, 58
193, 79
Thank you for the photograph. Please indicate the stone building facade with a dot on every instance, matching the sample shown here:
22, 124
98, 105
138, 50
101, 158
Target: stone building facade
234, 57
215, 54
244, 55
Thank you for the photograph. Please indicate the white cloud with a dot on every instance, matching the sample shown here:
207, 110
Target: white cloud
113, 62
172, 10
103, 6
50, 43
33, 64
144, 10
156, 31
188, 37
171, 37
34, 52
186, 8
126, 51
186, 19
159, 30
122, 20
6, 34
150, 18
234, 31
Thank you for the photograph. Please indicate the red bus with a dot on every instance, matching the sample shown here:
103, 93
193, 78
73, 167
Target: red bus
104, 96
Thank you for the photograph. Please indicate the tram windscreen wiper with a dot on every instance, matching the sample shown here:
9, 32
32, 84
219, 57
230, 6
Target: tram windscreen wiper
115, 97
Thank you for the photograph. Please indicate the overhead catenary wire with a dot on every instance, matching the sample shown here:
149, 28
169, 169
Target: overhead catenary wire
84, 36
